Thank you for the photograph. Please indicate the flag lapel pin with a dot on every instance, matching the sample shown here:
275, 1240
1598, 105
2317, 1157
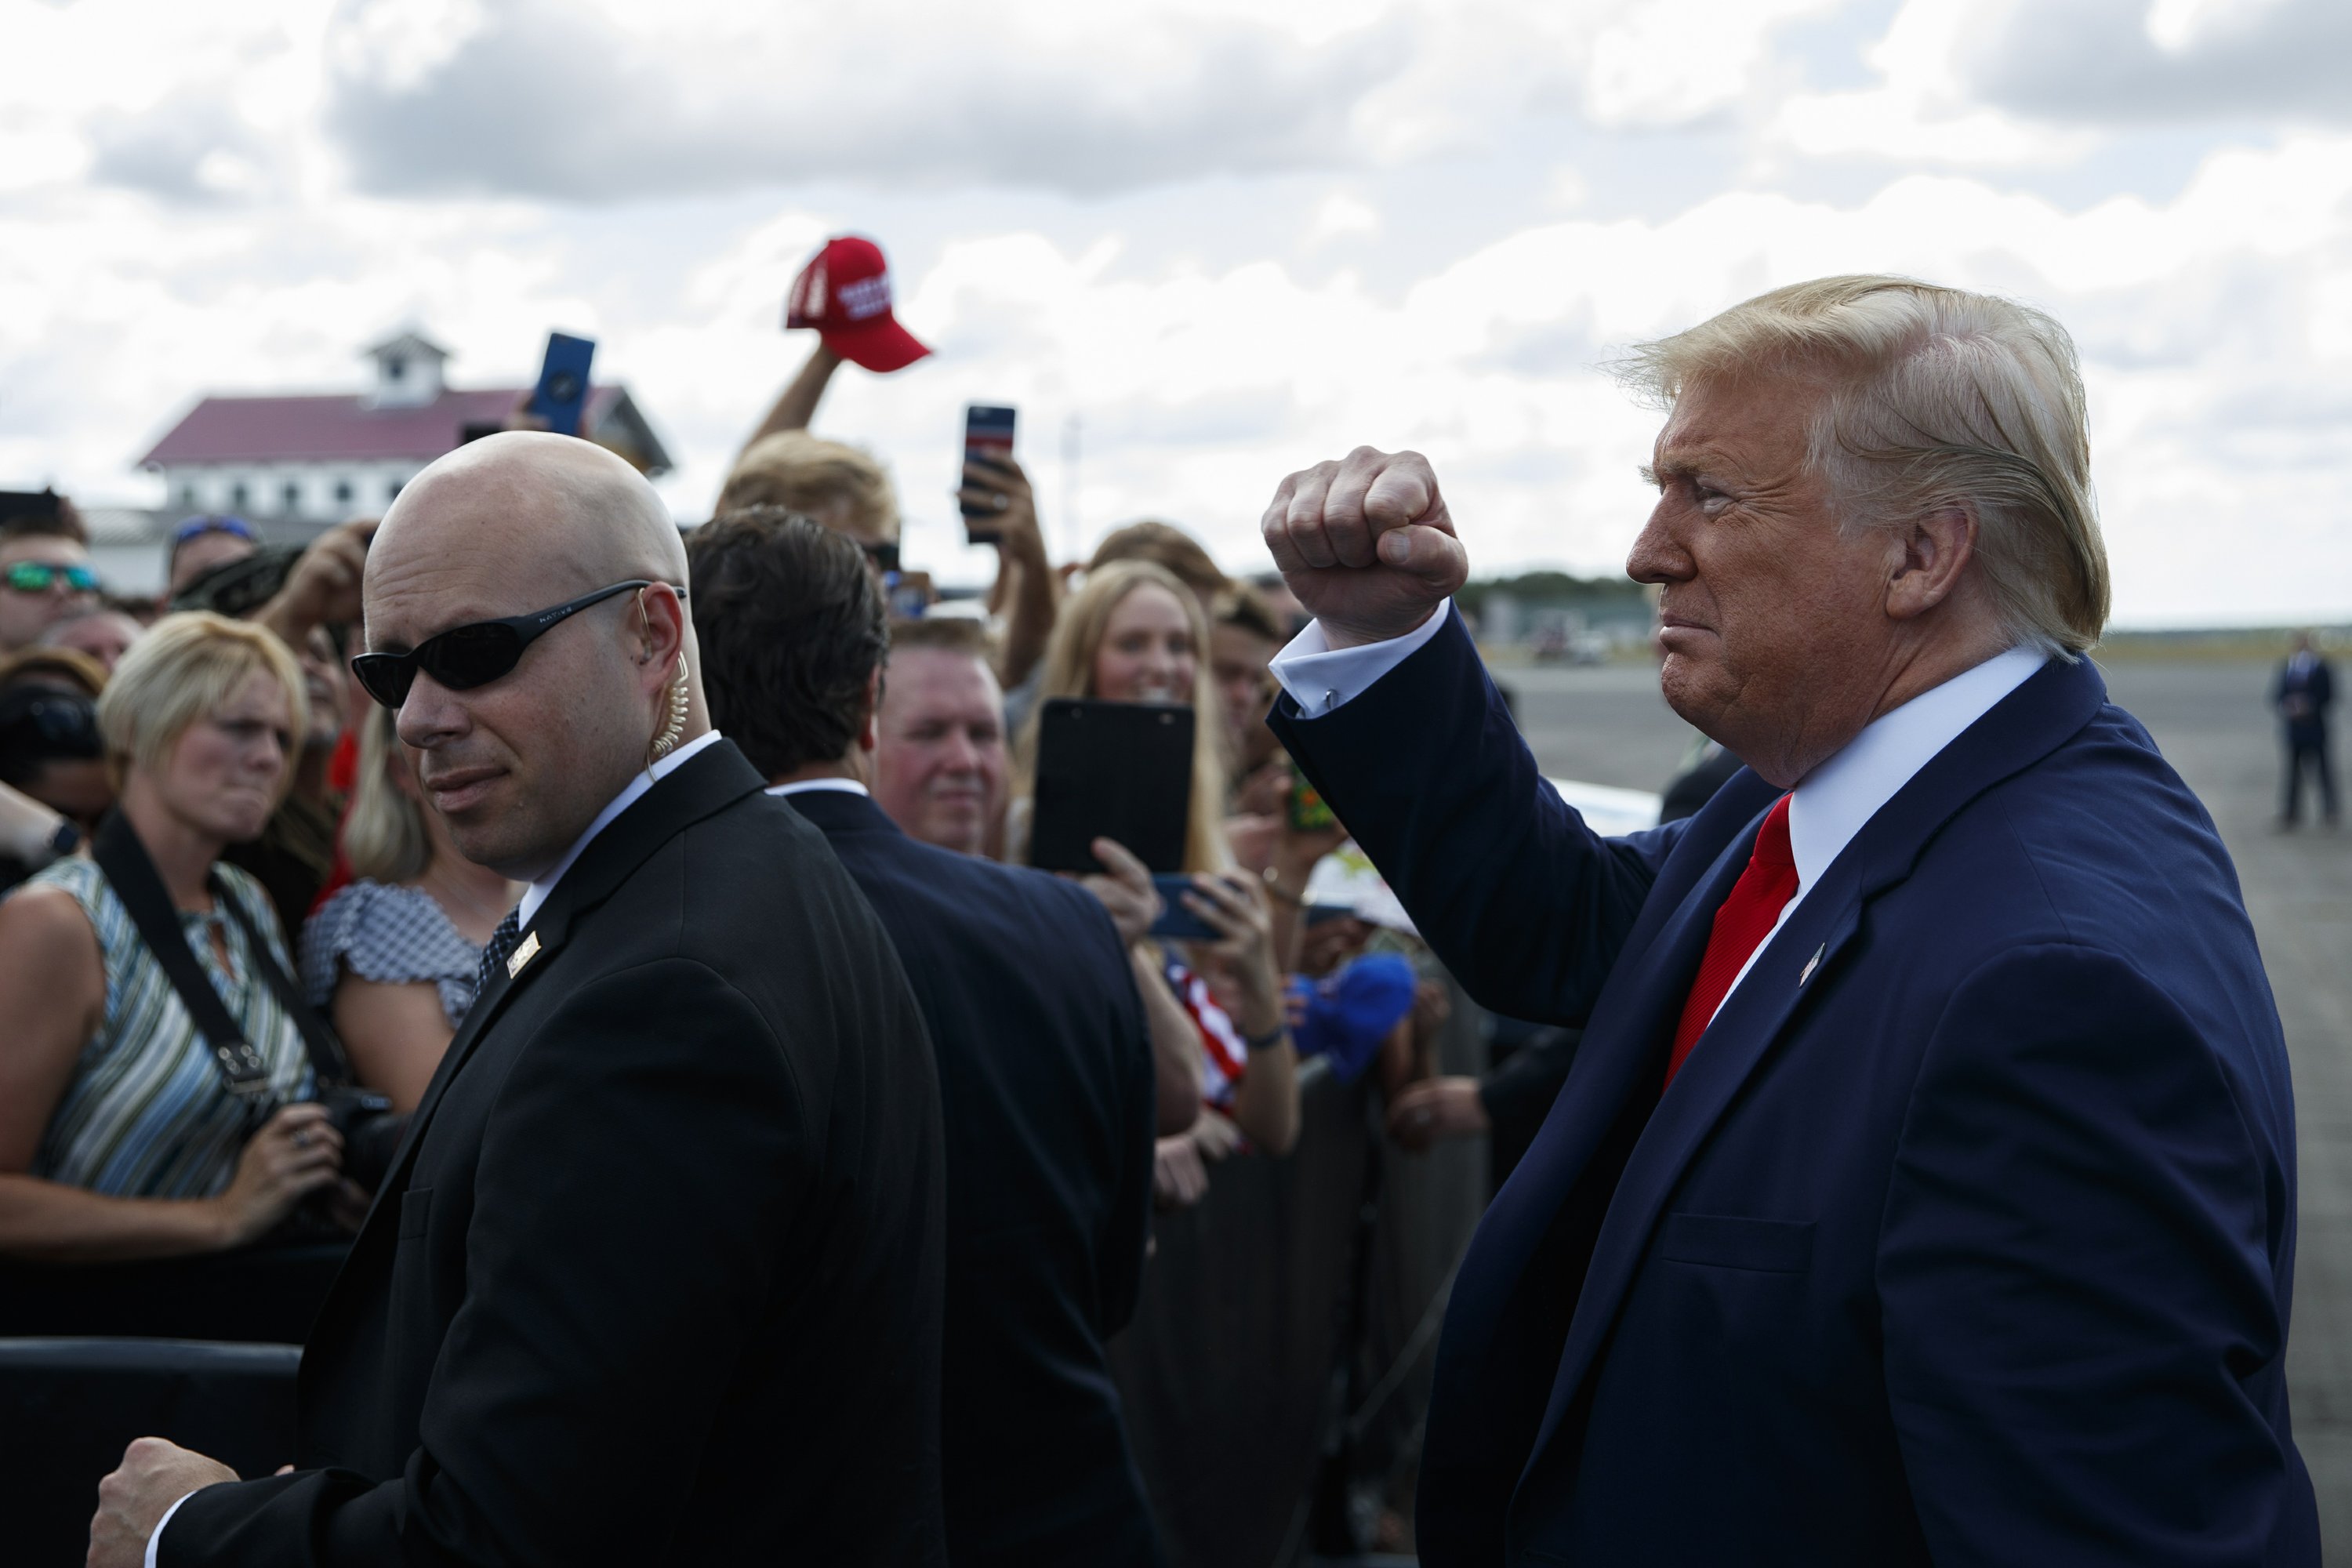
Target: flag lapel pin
1811, 965
530, 950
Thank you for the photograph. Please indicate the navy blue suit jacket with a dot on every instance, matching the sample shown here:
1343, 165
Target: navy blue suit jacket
1967, 1233
1046, 1089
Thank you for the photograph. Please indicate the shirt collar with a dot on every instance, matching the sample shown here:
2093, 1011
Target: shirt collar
1839, 797
535, 896
801, 787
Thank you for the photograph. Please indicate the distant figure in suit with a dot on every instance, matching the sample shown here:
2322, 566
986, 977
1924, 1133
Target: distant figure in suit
1924, 1187
655, 1277
2304, 691
1045, 1071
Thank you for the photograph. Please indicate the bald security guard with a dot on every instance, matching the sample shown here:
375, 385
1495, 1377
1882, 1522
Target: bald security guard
655, 1275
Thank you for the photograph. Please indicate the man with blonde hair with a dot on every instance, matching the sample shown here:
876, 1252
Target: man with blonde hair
1924, 1188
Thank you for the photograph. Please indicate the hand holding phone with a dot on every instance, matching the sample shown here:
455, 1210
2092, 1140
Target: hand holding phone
561, 396
1177, 922
987, 457
1125, 889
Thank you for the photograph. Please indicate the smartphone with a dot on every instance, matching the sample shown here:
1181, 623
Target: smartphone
1306, 807
1121, 771
987, 438
562, 391
1176, 922
906, 594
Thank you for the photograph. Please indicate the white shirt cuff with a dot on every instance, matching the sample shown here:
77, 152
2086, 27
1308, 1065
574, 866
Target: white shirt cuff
1320, 678
155, 1538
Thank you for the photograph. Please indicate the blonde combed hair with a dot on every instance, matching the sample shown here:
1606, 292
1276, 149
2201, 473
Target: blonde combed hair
1069, 671
806, 473
187, 667
384, 838
1939, 399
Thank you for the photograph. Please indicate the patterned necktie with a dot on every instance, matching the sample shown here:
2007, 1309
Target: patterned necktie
1743, 923
494, 954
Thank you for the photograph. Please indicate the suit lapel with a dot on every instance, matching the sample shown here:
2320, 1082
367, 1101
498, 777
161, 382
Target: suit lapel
1622, 1054
708, 782
1800, 961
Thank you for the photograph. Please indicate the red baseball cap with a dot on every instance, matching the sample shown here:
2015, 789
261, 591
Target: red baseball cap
845, 293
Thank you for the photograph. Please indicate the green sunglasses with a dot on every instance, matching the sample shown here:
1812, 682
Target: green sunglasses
36, 577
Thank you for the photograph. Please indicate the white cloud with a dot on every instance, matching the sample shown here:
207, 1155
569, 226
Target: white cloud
1226, 239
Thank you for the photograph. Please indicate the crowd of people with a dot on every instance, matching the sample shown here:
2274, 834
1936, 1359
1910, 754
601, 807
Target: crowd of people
683, 986
215, 738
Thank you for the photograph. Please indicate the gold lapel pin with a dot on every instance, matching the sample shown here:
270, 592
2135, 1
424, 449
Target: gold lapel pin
1809, 963
530, 950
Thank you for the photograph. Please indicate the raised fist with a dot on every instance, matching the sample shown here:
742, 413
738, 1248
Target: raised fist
1366, 544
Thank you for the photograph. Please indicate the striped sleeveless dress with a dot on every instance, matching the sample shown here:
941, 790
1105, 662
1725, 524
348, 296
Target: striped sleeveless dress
146, 1114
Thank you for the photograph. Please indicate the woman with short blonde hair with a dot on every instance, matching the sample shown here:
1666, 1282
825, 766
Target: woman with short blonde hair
121, 1134
185, 670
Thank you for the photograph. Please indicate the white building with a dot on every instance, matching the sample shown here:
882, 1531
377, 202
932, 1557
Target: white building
312, 461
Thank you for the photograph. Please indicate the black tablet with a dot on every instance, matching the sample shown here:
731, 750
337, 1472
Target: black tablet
1121, 771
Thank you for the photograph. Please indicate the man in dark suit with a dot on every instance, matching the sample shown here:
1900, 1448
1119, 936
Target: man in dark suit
655, 1277
1045, 1072
1922, 1189
2304, 691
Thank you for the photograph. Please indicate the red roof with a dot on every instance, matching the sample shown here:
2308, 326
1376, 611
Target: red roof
340, 427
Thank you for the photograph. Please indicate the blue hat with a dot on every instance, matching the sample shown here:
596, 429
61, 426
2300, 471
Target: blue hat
1351, 1011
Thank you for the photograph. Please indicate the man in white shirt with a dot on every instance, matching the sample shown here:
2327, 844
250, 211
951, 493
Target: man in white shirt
1922, 1189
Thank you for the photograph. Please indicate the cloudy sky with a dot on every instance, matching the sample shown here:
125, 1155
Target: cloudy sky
1225, 239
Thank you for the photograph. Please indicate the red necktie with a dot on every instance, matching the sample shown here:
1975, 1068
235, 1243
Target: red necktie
1741, 925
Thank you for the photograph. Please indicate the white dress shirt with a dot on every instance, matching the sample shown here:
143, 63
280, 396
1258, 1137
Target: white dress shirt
1830, 806
535, 897
846, 786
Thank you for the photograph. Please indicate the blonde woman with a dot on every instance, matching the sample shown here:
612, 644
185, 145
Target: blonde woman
120, 1137
391, 957
1133, 634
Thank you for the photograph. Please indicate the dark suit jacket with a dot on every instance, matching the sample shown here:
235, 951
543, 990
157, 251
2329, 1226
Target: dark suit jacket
2316, 686
1967, 1233
1046, 1078
655, 1275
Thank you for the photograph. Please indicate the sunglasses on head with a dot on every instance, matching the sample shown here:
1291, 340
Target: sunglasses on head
885, 555
197, 527
476, 654
35, 577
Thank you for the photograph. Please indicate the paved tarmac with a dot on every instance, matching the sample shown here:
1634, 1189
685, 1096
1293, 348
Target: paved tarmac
1608, 726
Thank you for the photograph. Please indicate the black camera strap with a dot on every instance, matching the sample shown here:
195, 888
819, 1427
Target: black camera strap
132, 872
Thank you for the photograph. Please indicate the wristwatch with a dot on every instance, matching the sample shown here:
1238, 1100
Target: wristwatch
64, 840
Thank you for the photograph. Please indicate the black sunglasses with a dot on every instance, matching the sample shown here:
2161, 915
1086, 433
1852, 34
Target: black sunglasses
476, 654
885, 555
